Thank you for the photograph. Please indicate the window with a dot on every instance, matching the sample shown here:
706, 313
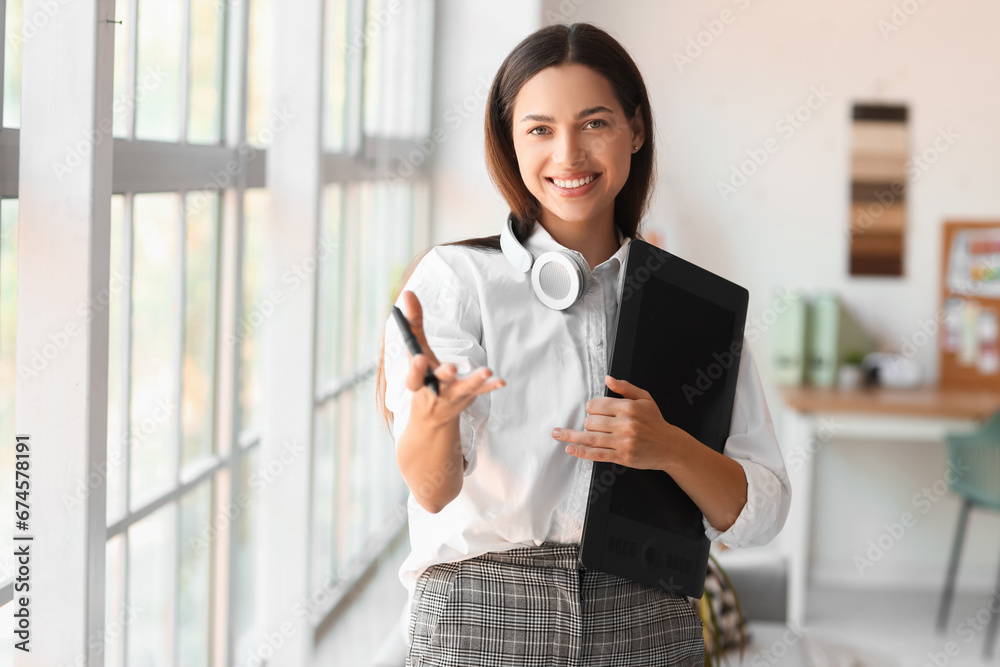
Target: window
190, 217
358, 494
180, 514
164, 461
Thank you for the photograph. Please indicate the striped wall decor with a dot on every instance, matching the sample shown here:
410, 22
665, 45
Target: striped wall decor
879, 150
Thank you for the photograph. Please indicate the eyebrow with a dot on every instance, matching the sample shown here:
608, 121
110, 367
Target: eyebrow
548, 119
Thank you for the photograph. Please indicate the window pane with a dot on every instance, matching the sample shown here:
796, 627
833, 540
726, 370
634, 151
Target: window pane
200, 281
360, 208
117, 354
385, 240
155, 330
346, 522
123, 101
371, 273
324, 498
374, 65
358, 514
259, 72
338, 50
245, 614
205, 100
368, 489
424, 66
193, 584
248, 328
402, 242
330, 287
393, 222
406, 222
116, 614
151, 552
13, 38
8, 375
158, 70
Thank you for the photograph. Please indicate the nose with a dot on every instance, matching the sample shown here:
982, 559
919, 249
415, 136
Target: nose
569, 150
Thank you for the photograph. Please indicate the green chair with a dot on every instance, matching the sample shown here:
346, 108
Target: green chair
978, 485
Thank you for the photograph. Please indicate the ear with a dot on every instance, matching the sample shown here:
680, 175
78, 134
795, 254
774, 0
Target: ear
638, 127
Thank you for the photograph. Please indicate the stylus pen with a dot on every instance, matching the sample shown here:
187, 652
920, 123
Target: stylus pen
430, 379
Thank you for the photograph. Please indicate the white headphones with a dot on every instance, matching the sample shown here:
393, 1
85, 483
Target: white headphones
559, 277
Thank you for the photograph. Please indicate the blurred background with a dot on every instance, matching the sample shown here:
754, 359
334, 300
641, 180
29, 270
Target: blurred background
207, 206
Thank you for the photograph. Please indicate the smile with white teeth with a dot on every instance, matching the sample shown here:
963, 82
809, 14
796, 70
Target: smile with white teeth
575, 183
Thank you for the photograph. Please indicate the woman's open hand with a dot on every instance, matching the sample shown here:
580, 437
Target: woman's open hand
454, 393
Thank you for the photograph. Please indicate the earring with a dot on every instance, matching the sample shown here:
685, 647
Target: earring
635, 148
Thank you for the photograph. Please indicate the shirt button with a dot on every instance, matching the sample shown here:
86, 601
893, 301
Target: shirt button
592, 287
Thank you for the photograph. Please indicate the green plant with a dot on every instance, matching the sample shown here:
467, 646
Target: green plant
854, 357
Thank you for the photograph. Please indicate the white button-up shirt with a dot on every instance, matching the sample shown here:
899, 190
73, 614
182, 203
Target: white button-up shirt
521, 488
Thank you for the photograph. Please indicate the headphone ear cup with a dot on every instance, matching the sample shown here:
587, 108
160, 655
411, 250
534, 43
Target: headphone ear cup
558, 279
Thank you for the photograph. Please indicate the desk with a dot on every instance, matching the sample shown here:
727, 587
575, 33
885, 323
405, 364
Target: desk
815, 416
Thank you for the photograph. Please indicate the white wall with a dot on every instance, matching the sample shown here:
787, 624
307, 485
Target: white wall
786, 225
471, 40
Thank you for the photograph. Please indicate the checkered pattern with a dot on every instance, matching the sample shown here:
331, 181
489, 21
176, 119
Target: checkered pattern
536, 606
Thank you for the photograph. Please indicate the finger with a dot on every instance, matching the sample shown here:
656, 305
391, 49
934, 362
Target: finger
415, 316
478, 377
606, 405
491, 386
418, 368
626, 389
588, 438
599, 424
592, 453
446, 372
479, 382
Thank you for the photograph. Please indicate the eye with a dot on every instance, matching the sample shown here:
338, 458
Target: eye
600, 123
534, 131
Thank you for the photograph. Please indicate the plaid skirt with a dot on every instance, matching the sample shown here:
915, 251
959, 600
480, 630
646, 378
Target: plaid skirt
539, 606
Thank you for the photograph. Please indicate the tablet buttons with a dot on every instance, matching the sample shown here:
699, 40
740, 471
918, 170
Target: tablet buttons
650, 556
621, 547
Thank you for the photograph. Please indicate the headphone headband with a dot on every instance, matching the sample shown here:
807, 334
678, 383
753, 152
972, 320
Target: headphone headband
558, 277
512, 248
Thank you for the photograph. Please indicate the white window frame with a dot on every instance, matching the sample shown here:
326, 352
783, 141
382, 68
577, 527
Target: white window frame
8, 189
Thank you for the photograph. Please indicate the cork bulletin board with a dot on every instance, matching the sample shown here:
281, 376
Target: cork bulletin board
970, 306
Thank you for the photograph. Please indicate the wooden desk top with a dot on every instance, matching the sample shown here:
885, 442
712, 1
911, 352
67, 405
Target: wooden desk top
925, 401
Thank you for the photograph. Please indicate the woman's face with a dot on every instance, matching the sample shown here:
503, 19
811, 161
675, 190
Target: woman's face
573, 143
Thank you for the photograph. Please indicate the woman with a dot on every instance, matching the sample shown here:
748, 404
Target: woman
499, 475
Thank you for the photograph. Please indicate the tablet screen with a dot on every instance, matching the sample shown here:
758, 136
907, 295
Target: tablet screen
679, 383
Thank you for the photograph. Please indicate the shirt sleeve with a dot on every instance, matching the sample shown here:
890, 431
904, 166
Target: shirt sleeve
453, 327
752, 443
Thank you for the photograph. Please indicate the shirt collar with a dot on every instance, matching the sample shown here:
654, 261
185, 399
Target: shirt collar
541, 241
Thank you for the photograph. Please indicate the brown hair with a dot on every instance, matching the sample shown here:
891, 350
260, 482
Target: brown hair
552, 46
